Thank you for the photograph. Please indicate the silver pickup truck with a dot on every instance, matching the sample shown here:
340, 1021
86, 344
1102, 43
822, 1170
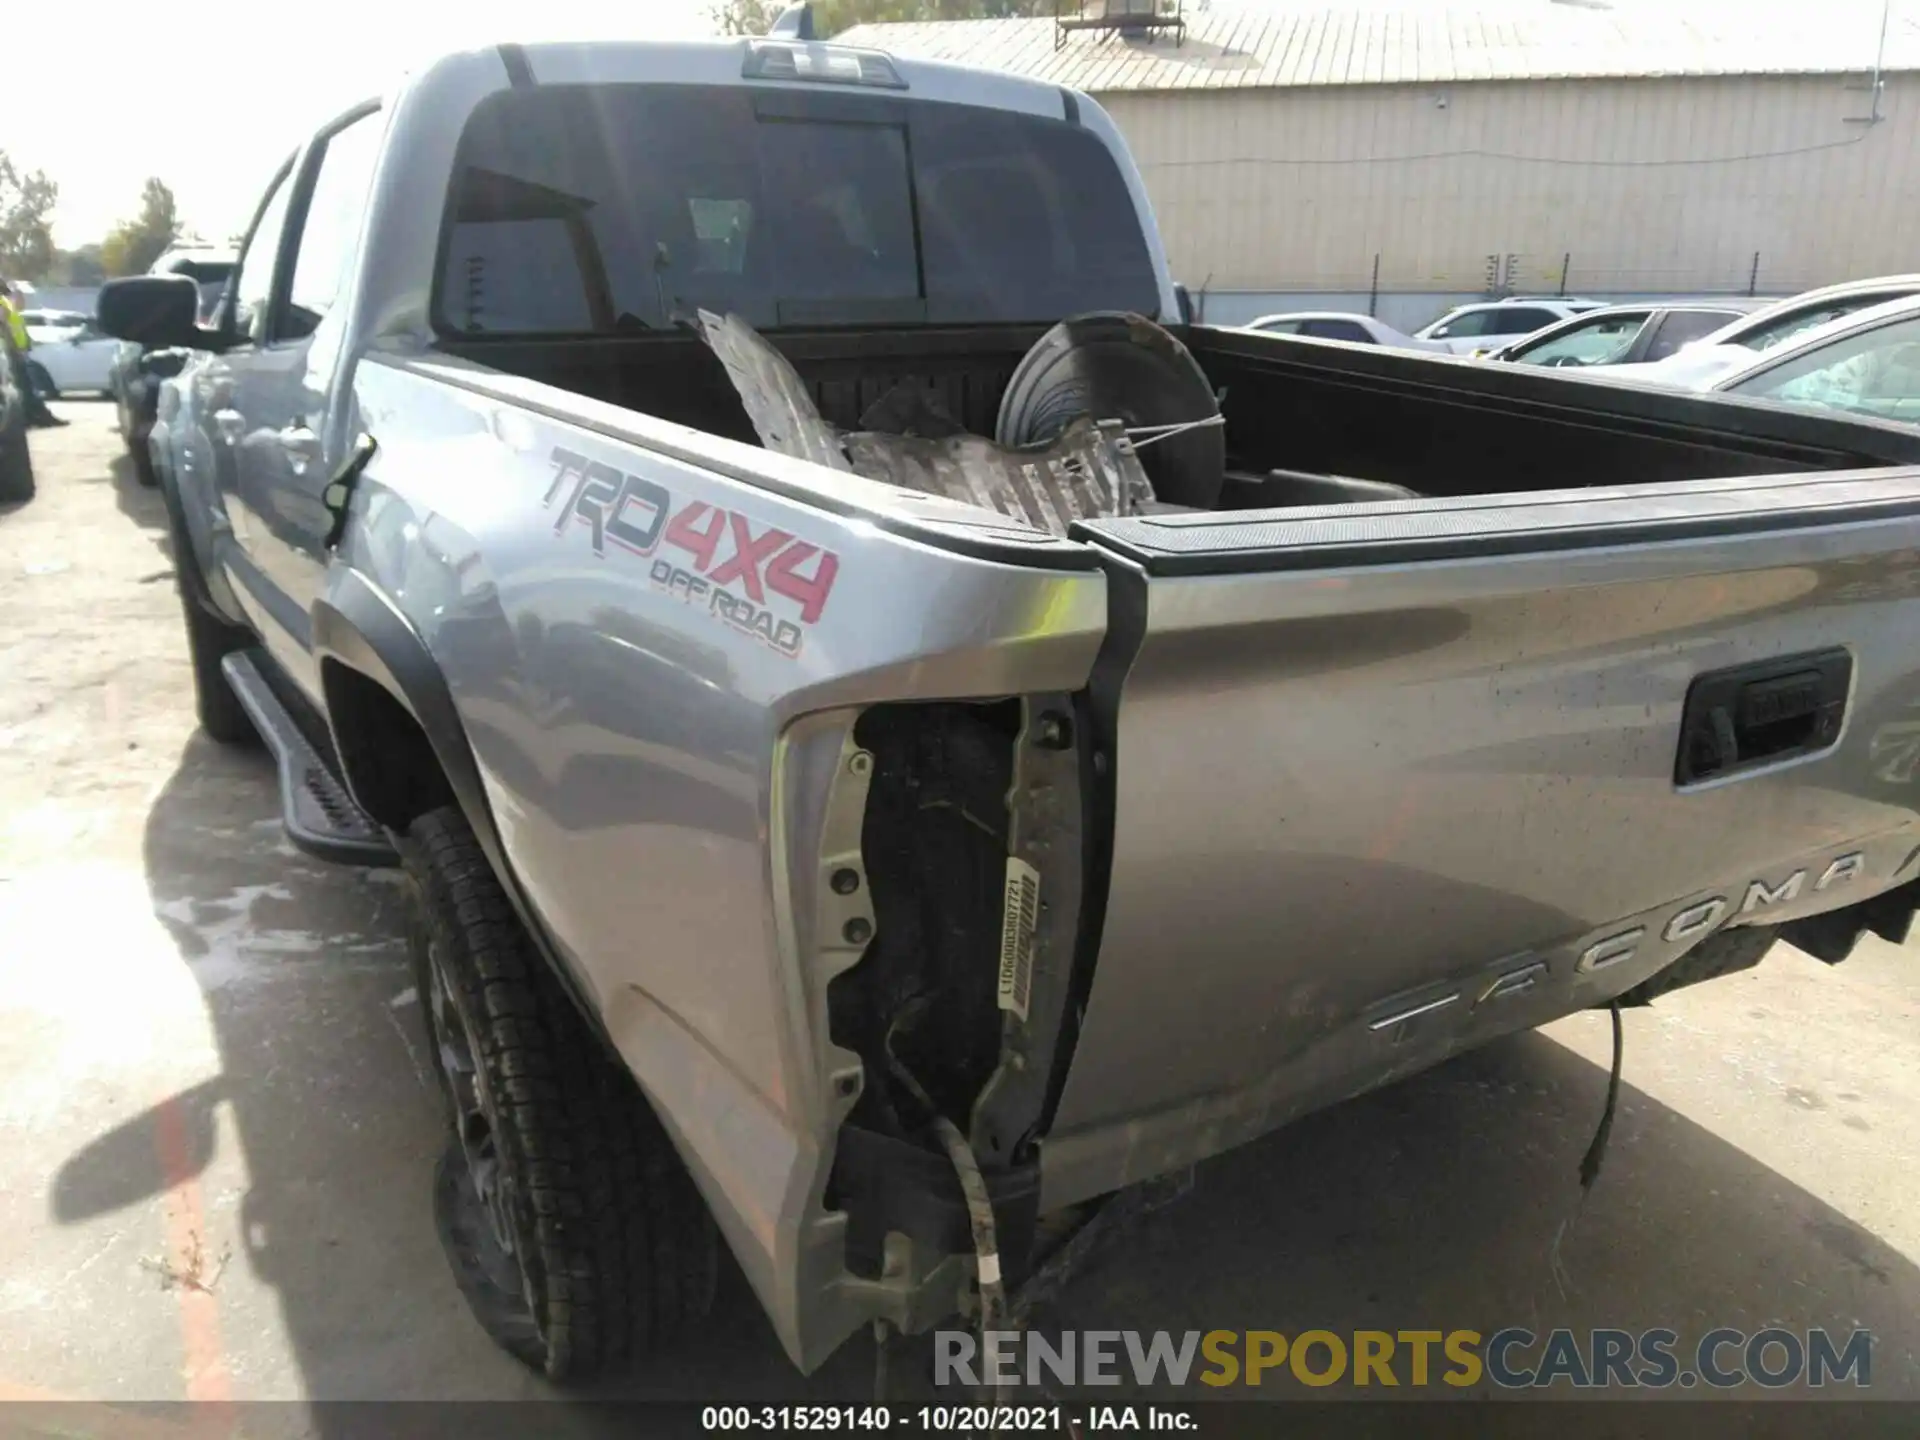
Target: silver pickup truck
893, 735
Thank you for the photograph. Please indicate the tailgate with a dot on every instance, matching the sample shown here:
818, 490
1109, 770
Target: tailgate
1391, 779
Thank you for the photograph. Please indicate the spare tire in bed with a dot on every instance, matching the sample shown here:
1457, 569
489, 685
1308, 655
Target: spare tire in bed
1116, 366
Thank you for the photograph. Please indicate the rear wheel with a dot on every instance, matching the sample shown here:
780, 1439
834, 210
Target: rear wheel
209, 641
134, 428
43, 385
16, 459
576, 1235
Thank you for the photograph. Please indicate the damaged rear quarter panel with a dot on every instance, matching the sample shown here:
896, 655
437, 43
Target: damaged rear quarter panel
654, 766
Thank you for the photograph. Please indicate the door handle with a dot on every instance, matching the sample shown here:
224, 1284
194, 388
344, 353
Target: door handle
1753, 715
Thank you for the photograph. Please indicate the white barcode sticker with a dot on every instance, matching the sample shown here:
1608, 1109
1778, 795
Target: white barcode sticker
1017, 923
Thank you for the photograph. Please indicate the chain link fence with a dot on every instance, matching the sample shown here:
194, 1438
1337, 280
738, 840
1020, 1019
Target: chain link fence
1407, 298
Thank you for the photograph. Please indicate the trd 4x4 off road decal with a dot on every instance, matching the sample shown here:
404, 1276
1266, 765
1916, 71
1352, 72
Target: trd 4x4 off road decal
734, 570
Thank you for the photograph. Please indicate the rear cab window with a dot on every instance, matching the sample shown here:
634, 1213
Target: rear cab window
612, 209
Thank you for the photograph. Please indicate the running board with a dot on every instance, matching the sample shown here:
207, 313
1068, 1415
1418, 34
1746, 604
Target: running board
321, 817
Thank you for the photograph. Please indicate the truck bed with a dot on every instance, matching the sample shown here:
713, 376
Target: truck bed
1438, 426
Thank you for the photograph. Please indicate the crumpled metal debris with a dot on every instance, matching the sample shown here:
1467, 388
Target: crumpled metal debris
911, 408
1089, 472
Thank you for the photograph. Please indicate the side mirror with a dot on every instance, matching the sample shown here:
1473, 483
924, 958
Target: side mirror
158, 311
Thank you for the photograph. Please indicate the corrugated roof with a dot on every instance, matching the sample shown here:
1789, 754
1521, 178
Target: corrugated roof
1424, 42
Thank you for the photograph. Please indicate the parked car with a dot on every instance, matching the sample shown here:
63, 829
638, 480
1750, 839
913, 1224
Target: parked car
69, 353
1341, 325
16, 459
1782, 320
1865, 363
136, 371
54, 319
823, 770
1623, 334
1488, 324
44, 327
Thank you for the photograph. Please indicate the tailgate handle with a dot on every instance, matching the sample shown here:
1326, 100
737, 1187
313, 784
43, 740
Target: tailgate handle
1756, 715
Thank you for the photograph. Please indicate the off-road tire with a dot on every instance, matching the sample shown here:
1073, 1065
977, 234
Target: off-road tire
16, 458
209, 641
613, 1250
135, 431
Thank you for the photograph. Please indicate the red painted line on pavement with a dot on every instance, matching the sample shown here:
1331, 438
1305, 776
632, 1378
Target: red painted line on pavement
205, 1366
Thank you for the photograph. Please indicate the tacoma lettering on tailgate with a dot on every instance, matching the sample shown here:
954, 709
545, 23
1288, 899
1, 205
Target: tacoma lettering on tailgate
1695, 920
733, 567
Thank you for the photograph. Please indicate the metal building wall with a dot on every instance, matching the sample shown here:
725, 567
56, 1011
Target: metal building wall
1270, 198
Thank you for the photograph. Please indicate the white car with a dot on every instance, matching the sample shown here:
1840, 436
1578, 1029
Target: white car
1863, 363
52, 320
69, 355
1341, 325
1488, 325
1624, 334
1786, 319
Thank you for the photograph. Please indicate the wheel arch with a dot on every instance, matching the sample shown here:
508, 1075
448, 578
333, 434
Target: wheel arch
399, 740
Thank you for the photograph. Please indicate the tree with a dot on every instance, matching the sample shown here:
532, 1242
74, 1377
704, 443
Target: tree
81, 266
133, 245
830, 17
26, 221
745, 17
